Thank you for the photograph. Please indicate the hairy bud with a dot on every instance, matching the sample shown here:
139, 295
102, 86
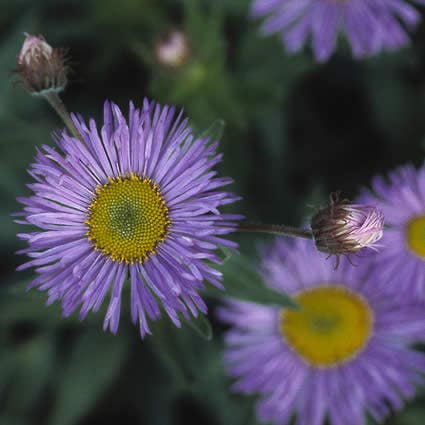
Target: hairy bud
343, 228
41, 67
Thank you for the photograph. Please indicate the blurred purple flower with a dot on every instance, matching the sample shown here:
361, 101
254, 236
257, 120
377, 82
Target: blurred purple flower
402, 199
347, 351
137, 200
369, 25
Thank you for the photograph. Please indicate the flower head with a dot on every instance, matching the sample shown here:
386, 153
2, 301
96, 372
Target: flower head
402, 200
345, 352
344, 228
369, 25
173, 50
139, 200
41, 67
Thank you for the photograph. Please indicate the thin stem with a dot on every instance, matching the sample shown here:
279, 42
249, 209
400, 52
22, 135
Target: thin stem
276, 229
56, 103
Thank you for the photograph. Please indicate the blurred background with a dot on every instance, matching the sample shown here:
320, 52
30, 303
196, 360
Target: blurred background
292, 131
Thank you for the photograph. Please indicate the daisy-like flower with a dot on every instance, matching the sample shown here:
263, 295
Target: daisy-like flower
369, 25
400, 262
139, 201
344, 353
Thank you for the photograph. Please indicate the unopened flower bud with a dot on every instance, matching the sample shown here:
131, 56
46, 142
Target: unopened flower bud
41, 67
343, 228
173, 50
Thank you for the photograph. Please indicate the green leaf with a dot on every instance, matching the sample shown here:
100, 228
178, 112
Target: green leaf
31, 372
215, 131
16, 303
242, 281
11, 420
413, 415
224, 253
179, 349
168, 343
94, 363
202, 326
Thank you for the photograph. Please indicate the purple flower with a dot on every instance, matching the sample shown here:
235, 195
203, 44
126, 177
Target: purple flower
369, 25
344, 228
139, 201
400, 264
345, 352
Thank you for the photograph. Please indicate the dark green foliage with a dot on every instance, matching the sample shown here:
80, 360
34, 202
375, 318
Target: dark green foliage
294, 131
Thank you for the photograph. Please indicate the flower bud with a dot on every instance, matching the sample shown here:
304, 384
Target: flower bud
343, 228
173, 50
41, 67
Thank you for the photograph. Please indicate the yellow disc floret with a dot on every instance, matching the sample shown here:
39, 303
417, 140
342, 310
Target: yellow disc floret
415, 235
127, 218
332, 325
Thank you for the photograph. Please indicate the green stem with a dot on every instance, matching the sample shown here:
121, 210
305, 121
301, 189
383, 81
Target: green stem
56, 103
276, 229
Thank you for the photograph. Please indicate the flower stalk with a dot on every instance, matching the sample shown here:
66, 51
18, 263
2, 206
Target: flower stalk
59, 107
276, 229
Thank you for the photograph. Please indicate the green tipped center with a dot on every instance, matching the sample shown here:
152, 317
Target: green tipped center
127, 219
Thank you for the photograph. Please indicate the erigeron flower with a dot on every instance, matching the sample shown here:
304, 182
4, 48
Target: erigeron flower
369, 25
137, 200
400, 262
346, 352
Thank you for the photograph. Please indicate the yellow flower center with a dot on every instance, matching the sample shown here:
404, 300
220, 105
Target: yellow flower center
127, 218
332, 325
415, 235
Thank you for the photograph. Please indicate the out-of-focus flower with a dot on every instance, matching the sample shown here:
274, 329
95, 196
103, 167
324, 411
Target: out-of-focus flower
402, 200
173, 50
369, 25
40, 67
345, 353
344, 228
138, 200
